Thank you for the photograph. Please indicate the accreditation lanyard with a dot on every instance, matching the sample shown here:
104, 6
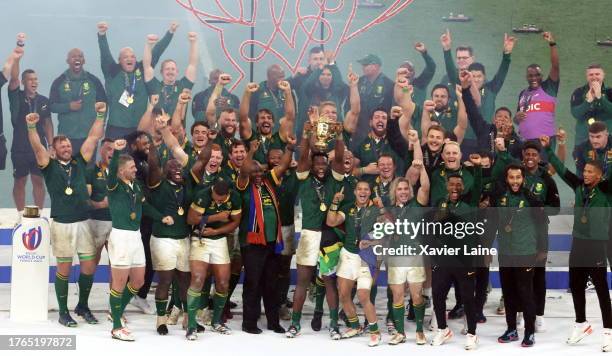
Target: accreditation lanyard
67, 169
167, 92
131, 89
132, 193
32, 104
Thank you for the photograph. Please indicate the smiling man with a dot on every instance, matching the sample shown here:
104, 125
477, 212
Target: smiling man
591, 102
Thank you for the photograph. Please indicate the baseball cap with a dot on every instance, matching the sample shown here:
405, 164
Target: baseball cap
370, 59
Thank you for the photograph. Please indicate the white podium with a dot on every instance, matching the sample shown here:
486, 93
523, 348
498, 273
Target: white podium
30, 270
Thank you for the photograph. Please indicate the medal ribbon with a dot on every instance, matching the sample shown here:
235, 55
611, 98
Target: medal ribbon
130, 88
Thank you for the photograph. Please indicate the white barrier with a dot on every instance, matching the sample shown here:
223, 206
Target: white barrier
30, 270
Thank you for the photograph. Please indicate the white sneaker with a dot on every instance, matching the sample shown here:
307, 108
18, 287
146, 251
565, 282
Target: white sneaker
221, 329
579, 332
143, 305
397, 338
421, 339
471, 342
540, 326
174, 315
433, 323
204, 316
391, 327
606, 346
350, 332
375, 339
122, 334
442, 336
520, 323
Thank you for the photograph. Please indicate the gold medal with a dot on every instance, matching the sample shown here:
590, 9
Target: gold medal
68, 191
180, 211
322, 207
130, 99
133, 215
584, 219
508, 228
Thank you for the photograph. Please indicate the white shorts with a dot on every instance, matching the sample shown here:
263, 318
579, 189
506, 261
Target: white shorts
351, 267
100, 230
125, 249
401, 275
72, 238
307, 253
168, 254
288, 233
210, 251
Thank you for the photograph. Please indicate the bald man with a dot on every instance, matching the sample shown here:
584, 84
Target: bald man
125, 84
269, 96
200, 100
73, 96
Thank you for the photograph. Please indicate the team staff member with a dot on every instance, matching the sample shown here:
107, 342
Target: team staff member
127, 205
169, 88
201, 99
70, 233
4, 75
22, 103
590, 235
591, 103
72, 96
261, 238
124, 82
598, 147
421, 82
270, 96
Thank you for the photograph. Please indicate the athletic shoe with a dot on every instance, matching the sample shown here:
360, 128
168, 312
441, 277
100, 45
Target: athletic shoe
433, 323
192, 334
174, 315
528, 340
391, 327
508, 336
590, 287
579, 332
334, 333
66, 320
606, 346
421, 339
162, 328
520, 322
316, 321
204, 316
85, 313
124, 321
471, 342
457, 312
122, 334
284, 313
350, 332
375, 339
481, 318
540, 326
143, 305
397, 338
221, 329
442, 336
501, 308
293, 331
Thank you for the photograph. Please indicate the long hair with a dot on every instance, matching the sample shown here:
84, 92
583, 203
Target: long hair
393, 188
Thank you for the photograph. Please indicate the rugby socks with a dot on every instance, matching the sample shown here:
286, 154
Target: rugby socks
219, 300
61, 292
193, 303
205, 294
373, 327
319, 294
353, 322
128, 293
296, 316
419, 315
116, 309
85, 283
333, 316
398, 317
160, 306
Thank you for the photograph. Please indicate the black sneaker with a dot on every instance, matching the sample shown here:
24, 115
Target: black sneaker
481, 318
162, 329
457, 312
528, 340
316, 321
200, 328
85, 313
66, 320
192, 334
508, 336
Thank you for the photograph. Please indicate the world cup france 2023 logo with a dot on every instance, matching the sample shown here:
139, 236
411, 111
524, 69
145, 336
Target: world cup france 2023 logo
32, 239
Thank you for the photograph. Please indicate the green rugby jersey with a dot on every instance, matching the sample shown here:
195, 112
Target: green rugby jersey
170, 200
312, 193
357, 223
204, 204
67, 188
96, 178
168, 93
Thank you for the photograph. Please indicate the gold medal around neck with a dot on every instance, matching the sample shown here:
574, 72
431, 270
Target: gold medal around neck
180, 211
508, 228
130, 99
68, 191
133, 215
322, 207
584, 219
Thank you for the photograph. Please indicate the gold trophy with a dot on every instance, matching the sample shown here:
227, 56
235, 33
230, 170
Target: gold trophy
325, 130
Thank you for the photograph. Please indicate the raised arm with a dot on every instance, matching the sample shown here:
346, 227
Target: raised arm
498, 80
352, 116
161, 46
10, 61
154, 175
303, 164
243, 114
403, 97
462, 120
285, 162
423, 193
337, 164
451, 69
112, 180
287, 123
428, 108
197, 170
14, 81
423, 80
181, 109
554, 57
40, 152
211, 106
191, 72
107, 62
147, 119
95, 133
334, 217
414, 171
172, 142
568, 177
147, 57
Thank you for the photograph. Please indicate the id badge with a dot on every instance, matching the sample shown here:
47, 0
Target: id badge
123, 100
